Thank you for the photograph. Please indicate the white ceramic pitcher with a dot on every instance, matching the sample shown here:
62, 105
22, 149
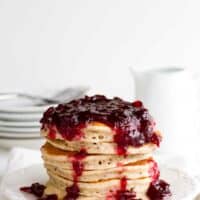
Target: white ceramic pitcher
170, 95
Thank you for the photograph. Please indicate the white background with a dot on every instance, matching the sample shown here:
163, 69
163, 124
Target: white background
54, 43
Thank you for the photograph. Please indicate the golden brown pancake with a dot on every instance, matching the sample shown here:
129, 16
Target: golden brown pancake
133, 171
94, 132
99, 189
99, 148
56, 157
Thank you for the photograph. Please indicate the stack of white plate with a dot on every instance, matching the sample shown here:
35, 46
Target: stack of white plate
20, 115
19, 123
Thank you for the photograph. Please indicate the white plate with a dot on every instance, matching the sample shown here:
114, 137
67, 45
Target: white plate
183, 186
19, 123
21, 117
19, 129
19, 135
34, 143
24, 109
19, 105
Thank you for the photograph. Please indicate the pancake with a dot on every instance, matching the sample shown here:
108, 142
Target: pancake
94, 132
99, 148
56, 157
102, 188
52, 189
140, 169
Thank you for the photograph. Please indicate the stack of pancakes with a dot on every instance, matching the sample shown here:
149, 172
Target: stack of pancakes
103, 168
104, 173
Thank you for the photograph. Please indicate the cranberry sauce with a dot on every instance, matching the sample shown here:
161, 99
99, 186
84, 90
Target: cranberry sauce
132, 122
159, 190
35, 189
38, 191
154, 172
72, 192
123, 193
77, 164
49, 197
52, 133
78, 167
